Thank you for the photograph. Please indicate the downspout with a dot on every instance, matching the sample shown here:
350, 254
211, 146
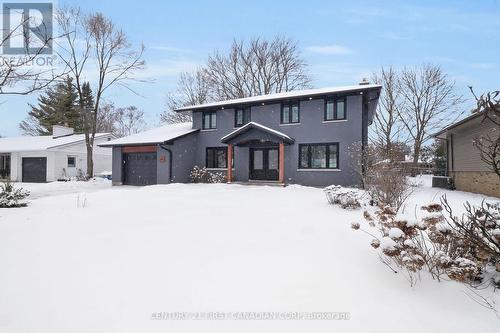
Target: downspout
170, 156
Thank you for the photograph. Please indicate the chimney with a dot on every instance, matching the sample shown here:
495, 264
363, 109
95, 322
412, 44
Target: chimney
59, 131
364, 82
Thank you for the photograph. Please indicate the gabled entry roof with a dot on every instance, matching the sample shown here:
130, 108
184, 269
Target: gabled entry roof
253, 125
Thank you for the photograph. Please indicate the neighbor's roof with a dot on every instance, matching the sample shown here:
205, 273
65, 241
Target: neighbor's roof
154, 136
37, 143
252, 124
458, 123
285, 95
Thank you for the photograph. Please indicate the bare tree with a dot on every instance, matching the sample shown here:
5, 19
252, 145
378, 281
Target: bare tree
261, 67
18, 74
120, 121
192, 89
388, 129
428, 101
106, 118
488, 143
129, 120
257, 68
94, 46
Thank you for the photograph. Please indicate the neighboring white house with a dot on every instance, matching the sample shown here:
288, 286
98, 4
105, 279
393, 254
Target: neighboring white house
49, 158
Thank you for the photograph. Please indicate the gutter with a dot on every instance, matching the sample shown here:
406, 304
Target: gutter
170, 157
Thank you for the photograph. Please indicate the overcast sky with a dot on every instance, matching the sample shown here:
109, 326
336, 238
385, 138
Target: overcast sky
342, 41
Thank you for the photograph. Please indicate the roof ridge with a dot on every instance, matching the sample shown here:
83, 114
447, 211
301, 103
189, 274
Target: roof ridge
281, 95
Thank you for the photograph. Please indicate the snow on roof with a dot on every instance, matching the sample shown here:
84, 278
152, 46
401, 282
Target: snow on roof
36, 143
458, 123
154, 136
284, 95
256, 125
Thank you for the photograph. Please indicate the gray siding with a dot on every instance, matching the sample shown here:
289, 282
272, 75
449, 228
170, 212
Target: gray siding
117, 166
463, 155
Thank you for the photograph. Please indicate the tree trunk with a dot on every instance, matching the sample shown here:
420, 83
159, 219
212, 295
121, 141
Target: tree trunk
90, 162
416, 155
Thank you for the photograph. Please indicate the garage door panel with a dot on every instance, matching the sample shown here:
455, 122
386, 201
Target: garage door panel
139, 168
34, 169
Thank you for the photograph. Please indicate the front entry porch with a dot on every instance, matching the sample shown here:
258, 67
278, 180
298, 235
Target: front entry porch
266, 152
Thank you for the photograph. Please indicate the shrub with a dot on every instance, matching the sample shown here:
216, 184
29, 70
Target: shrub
202, 175
429, 243
11, 197
388, 186
380, 174
345, 198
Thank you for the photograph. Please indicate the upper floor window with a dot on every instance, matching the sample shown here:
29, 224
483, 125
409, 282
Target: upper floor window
319, 156
335, 109
209, 120
290, 113
241, 117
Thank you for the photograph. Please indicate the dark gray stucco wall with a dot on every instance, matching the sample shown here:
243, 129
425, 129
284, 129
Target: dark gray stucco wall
190, 150
117, 166
312, 129
185, 150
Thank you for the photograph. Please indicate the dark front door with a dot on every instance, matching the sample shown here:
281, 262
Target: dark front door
139, 169
34, 169
264, 163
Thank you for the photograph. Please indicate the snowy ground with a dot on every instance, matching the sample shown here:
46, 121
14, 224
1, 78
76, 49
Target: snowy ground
108, 264
39, 190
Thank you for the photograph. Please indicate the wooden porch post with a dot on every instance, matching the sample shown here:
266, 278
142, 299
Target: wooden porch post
282, 163
229, 163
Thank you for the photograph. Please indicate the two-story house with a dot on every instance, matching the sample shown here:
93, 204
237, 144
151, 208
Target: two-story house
303, 137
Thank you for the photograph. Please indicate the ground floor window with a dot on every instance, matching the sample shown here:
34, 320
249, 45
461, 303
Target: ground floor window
319, 156
216, 157
4, 166
71, 162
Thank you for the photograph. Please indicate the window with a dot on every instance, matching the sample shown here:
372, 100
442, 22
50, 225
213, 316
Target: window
209, 120
290, 113
319, 156
4, 166
241, 117
335, 109
217, 157
71, 162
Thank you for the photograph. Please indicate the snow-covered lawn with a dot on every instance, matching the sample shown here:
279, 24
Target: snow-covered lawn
39, 190
130, 252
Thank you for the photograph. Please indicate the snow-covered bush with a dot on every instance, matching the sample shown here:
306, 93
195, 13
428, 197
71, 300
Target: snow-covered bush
12, 197
428, 243
345, 198
81, 176
480, 227
202, 175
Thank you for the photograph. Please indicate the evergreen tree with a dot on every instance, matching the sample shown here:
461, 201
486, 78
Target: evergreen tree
57, 106
87, 105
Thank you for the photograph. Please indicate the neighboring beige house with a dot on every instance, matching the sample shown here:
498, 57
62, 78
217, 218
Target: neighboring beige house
464, 162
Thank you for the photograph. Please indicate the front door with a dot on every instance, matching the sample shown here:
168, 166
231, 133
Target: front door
264, 163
